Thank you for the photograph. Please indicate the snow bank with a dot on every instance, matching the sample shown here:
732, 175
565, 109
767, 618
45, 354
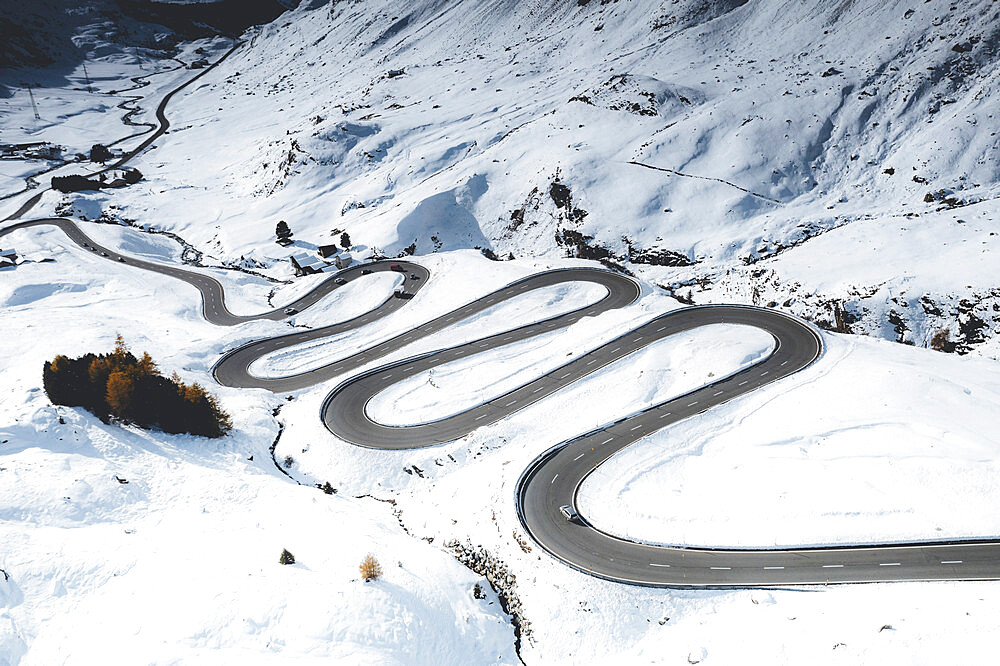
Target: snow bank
662, 370
866, 447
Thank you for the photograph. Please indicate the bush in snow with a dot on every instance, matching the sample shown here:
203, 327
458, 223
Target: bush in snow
100, 153
286, 557
370, 568
942, 341
132, 389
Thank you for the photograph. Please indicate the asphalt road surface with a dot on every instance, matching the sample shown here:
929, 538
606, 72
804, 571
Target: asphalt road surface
554, 478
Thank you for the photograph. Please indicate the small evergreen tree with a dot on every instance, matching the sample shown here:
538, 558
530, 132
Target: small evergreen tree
282, 231
345, 240
286, 557
370, 568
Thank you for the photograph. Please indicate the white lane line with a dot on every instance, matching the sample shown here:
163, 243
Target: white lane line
481, 417
663, 416
833, 566
637, 427
592, 362
720, 568
654, 564
553, 479
607, 440
614, 350
951, 561
566, 375
784, 362
540, 388
512, 402
662, 328
693, 403
408, 369
743, 382
764, 374
772, 568
579, 456
387, 377
638, 339
890, 564
720, 393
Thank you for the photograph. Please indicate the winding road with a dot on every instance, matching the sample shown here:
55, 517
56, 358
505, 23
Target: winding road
555, 477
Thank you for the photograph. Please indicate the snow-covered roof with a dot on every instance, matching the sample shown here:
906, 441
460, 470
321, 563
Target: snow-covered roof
8, 253
306, 260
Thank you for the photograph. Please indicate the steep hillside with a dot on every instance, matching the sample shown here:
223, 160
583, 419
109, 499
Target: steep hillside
690, 142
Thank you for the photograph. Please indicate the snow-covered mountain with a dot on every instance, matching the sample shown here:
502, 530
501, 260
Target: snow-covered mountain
697, 144
835, 159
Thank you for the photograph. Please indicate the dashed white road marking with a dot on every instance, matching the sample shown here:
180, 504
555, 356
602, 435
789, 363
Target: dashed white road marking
951, 561
772, 568
890, 564
654, 564
833, 566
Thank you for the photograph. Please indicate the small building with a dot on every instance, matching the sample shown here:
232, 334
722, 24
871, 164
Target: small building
327, 250
8, 258
343, 260
307, 264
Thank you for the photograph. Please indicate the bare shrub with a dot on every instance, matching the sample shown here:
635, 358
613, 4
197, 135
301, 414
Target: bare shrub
942, 341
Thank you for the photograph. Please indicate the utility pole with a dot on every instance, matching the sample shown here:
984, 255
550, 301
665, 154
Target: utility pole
34, 106
87, 76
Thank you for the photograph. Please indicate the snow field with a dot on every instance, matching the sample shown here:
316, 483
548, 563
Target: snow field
181, 562
857, 449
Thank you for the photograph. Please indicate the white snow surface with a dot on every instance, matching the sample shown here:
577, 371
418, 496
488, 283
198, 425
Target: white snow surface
661, 371
178, 560
866, 134
865, 447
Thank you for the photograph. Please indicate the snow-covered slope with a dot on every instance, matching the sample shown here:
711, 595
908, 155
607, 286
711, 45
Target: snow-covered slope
645, 133
835, 159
